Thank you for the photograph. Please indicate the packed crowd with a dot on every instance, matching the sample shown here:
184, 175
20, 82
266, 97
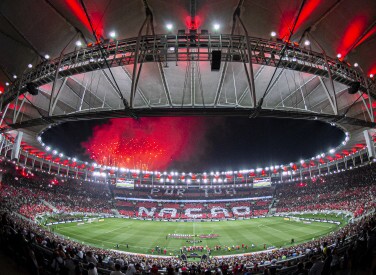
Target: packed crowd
62, 256
353, 191
159, 210
192, 193
28, 197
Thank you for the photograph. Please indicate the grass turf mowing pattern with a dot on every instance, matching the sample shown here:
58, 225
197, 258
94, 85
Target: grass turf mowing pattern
143, 236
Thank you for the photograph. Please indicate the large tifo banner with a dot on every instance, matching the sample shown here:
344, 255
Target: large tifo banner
262, 182
124, 183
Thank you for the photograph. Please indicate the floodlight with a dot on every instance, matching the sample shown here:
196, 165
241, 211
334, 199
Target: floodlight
112, 34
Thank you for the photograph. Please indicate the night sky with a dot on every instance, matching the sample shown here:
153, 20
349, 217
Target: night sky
231, 143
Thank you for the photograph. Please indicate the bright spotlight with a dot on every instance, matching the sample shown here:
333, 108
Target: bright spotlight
78, 43
356, 64
6, 83
307, 42
371, 75
216, 27
169, 27
273, 34
46, 56
112, 34
339, 55
30, 66
14, 76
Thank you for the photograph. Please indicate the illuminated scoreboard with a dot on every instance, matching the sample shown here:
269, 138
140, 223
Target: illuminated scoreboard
262, 182
124, 183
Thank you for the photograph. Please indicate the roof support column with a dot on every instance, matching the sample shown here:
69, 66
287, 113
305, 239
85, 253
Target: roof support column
370, 144
2, 140
250, 74
50, 109
333, 91
136, 56
16, 146
26, 156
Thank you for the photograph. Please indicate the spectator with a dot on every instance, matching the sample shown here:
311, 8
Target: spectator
92, 270
117, 270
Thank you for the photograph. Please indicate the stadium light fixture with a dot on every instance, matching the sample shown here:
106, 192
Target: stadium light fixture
301, 161
74, 159
47, 56
6, 83
78, 43
112, 34
371, 75
169, 26
332, 151
273, 34
216, 27
339, 55
14, 76
48, 148
30, 66
356, 64
307, 42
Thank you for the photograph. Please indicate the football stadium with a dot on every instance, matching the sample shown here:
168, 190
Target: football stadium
187, 137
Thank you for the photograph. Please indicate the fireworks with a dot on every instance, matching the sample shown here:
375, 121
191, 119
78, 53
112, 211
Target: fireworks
145, 144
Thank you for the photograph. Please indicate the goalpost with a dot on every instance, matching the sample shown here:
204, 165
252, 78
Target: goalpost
92, 220
295, 219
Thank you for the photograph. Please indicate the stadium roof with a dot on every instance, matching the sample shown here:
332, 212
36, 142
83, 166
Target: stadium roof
43, 31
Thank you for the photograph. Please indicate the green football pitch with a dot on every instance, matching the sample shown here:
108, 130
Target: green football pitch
144, 236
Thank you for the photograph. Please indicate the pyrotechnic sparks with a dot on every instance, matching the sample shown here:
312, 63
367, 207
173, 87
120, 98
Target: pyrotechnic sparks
147, 143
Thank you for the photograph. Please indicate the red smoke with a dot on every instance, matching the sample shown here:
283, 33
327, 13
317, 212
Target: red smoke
147, 143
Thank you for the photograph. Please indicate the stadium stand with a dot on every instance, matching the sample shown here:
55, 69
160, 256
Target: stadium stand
24, 197
352, 190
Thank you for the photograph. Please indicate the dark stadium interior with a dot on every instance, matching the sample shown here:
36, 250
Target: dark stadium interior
187, 137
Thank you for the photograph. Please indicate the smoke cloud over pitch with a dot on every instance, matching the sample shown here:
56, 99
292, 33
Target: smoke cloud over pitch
147, 143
